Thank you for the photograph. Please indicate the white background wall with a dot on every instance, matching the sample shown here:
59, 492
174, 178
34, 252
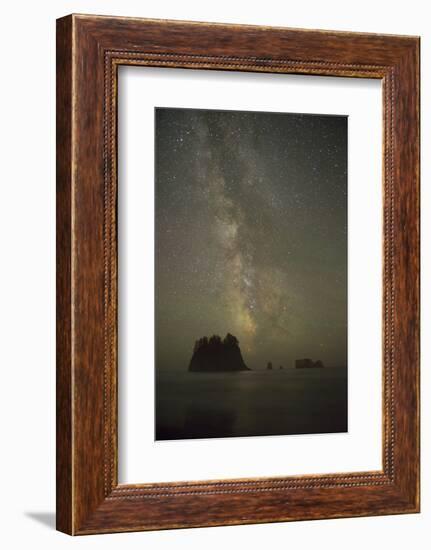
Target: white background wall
27, 279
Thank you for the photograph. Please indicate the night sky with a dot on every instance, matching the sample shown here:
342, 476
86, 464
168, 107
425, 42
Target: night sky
251, 235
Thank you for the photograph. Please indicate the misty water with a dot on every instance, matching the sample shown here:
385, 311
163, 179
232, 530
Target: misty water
193, 405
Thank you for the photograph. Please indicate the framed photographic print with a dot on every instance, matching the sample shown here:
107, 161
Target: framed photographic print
237, 274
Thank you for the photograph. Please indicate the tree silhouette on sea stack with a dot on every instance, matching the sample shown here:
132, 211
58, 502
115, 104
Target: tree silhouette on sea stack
216, 355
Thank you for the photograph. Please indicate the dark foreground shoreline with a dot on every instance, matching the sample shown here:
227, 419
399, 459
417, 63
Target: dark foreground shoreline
250, 403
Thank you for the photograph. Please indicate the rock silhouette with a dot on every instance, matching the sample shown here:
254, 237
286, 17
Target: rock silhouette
308, 364
269, 366
217, 355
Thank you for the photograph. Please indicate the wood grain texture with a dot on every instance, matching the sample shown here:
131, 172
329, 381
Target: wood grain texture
64, 497
90, 49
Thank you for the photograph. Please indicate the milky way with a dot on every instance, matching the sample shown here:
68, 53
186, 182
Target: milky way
251, 234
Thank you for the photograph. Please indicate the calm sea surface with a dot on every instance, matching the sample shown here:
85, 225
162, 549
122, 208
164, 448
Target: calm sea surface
250, 403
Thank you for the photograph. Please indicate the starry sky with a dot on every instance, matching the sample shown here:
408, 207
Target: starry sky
251, 234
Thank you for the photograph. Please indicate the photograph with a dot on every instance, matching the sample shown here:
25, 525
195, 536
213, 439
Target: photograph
211, 297
251, 273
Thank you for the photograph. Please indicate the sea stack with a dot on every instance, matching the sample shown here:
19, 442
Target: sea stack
217, 355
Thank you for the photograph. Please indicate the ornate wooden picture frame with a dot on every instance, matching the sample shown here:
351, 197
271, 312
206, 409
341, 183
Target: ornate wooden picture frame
89, 51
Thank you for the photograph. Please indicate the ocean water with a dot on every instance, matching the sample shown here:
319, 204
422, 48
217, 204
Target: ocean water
250, 403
